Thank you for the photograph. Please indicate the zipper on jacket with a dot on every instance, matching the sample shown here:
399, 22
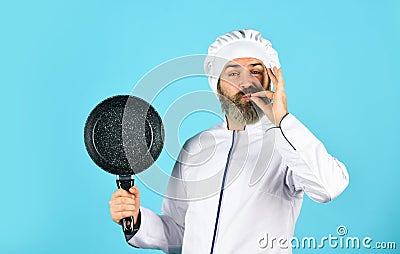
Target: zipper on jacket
221, 193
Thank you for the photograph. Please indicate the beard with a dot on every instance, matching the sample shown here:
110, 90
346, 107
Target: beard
239, 110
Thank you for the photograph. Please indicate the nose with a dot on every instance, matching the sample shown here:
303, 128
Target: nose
247, 81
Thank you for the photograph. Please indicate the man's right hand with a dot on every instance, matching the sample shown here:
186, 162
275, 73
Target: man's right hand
125, 204
278, 109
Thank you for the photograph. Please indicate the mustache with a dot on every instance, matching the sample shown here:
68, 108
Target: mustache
238, 96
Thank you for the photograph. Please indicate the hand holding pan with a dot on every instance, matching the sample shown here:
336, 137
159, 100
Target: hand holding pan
124, 135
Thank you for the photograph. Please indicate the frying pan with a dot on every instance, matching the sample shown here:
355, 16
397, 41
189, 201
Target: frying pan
124, 135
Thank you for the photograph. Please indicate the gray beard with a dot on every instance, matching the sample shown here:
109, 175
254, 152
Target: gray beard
242, 113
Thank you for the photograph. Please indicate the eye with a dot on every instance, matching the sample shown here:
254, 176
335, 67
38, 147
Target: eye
255, 72
233, 74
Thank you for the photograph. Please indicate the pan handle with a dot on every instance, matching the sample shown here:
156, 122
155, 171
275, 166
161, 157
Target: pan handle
126, 182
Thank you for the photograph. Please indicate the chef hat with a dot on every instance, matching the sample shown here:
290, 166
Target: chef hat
237, 44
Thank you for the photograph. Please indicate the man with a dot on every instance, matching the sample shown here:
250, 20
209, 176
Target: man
242, 179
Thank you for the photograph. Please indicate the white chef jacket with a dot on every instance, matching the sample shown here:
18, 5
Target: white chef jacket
264, 171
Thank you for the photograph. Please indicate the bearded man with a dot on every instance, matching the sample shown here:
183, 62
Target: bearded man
239, 185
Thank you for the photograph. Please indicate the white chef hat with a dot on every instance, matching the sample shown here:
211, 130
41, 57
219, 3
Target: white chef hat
237, 44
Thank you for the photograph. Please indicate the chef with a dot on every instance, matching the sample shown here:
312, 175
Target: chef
244, 178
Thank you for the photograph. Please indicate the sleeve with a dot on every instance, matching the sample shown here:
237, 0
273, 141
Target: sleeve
309, 167
164, 232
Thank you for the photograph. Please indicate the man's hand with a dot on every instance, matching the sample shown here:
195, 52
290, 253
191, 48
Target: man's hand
125, 204
276, 110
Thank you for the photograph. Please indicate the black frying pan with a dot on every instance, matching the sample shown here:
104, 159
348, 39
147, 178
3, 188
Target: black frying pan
124, 135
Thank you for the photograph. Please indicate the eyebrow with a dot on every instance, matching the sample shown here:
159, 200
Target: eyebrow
232, 66
256, 64
238, 65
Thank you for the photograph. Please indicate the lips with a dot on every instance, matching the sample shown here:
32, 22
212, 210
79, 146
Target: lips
246, 97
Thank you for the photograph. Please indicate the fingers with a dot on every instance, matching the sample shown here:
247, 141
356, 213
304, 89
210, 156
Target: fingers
133, 192
121, 196
276, 78
122, 208
124, 204
280, 83
266, 108
260, 102
272, 76
265, 93
122, 201
121, 193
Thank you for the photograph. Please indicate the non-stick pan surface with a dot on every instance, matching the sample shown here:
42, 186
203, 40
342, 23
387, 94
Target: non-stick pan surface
124, 135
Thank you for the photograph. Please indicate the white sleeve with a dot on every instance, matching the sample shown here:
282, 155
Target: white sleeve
309, 166
164, 232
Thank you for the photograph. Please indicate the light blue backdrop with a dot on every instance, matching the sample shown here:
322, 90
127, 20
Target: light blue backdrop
58, 59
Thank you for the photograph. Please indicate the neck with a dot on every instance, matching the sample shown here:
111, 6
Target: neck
232, 125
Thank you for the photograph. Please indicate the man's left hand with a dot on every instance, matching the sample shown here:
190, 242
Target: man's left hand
276, 110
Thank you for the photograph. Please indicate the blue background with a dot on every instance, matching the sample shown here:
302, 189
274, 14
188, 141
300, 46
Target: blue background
58, 59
